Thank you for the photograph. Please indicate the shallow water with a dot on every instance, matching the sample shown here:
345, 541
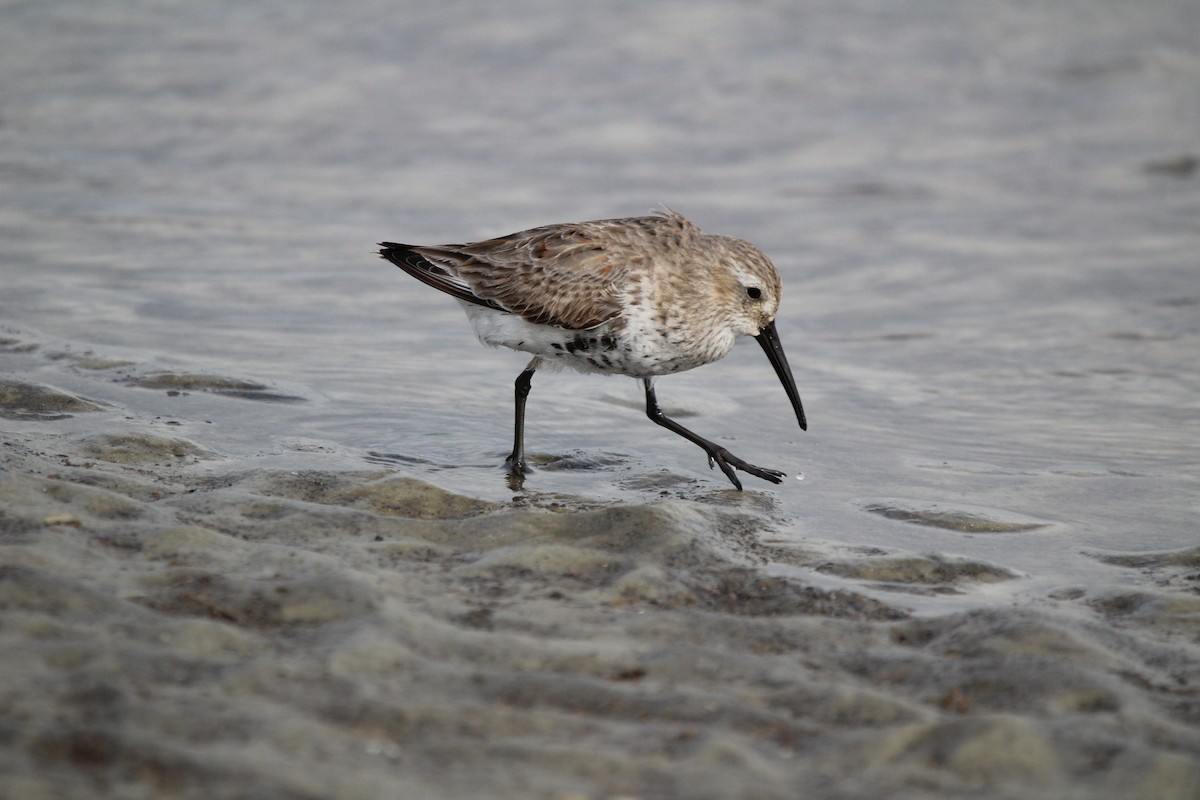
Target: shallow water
985, 218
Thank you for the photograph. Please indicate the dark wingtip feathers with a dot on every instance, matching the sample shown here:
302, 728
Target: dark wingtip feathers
390, 250
407, 258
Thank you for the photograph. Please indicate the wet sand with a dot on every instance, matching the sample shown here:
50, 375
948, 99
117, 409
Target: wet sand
177, 622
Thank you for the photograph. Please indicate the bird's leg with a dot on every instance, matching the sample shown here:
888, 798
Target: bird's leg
515, 463
725, 459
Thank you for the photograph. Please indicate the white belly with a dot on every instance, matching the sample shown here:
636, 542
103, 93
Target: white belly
611, 348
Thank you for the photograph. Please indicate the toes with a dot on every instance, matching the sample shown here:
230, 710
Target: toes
733, 478
723, 458
772, 475
729, 464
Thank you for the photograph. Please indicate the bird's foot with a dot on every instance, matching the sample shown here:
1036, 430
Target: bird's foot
729, 463
517, 469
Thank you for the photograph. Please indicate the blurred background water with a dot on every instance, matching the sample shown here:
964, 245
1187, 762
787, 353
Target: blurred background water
985, 216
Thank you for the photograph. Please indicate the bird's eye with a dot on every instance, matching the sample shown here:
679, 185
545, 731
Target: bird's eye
753, 292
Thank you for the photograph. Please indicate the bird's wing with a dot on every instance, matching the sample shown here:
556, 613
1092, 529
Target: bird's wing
410, 259
569, 276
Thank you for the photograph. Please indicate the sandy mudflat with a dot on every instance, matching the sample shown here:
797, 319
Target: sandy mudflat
178, 623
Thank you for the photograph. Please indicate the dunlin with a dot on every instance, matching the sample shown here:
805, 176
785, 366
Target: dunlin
641, 296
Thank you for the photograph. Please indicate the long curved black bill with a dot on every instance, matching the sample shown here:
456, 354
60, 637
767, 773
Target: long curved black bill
769, 340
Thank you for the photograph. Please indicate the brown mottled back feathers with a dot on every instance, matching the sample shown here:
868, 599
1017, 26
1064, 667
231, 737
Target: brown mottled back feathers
570, 275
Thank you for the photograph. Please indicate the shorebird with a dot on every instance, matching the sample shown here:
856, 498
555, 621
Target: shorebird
639, 296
